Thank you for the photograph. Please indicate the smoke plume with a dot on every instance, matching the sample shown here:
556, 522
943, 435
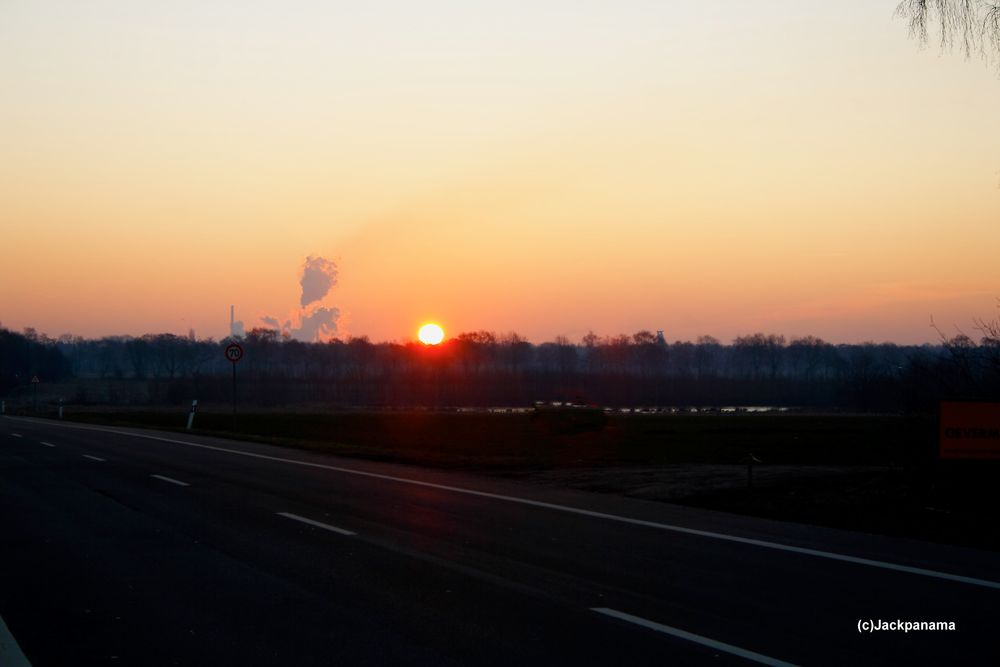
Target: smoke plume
318, 277
320, 323
313, 322
274, 323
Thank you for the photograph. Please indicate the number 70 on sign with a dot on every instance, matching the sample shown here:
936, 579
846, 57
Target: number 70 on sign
234, 352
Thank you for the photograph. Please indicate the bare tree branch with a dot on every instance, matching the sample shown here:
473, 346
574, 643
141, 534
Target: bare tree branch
971, 25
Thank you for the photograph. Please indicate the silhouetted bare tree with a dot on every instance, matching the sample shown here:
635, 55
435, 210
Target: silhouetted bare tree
990, 346
484, 369
973, 26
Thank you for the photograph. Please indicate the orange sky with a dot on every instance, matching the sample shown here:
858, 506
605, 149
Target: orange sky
548, 168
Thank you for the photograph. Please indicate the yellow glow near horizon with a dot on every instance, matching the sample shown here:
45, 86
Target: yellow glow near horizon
431, 334
549, 168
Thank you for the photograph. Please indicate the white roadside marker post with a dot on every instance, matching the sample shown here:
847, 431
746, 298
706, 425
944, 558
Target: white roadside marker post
194, 406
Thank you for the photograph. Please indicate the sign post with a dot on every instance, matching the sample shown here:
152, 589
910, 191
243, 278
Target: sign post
34, 391
234, 352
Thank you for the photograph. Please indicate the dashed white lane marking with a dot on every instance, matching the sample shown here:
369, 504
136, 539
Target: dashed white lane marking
817, 553
318, 524
171, 480
691, 637
92, 458
47, 444
15, 435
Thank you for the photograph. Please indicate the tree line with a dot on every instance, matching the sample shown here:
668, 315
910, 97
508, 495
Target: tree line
483, 368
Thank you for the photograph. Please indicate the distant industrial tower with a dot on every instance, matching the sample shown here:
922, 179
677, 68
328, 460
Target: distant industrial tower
235, 325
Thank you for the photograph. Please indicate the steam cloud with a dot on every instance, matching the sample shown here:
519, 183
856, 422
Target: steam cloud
318, 277
321, 322
274, 323
315, 321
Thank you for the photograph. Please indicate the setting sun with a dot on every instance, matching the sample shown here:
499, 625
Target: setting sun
430, 334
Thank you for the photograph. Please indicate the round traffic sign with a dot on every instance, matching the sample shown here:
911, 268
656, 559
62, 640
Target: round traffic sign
234, 352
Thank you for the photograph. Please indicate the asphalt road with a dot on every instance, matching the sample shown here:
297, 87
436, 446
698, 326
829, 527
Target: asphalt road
127, 547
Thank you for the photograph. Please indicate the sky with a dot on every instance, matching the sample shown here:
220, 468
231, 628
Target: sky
548, 167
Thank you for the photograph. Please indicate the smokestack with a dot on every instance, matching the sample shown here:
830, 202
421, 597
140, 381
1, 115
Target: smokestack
235, 326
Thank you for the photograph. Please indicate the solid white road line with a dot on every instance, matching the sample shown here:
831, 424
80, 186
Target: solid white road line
817, 553
15, 435
318, 524
691, 637
171, 480
92, 458
47, 444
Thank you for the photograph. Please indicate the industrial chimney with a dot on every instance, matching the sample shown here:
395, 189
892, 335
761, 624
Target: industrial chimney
235, 325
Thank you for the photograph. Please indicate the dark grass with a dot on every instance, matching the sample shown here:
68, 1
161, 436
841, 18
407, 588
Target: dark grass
485, 441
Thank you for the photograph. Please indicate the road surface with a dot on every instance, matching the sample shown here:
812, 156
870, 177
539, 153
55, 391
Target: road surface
130, 547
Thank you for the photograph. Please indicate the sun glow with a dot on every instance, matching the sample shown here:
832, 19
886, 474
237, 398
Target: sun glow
430, 334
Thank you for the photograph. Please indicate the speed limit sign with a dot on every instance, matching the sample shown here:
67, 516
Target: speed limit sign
234, 352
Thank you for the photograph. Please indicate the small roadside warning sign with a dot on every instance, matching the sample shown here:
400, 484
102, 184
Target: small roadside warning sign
969, 430
35, 380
